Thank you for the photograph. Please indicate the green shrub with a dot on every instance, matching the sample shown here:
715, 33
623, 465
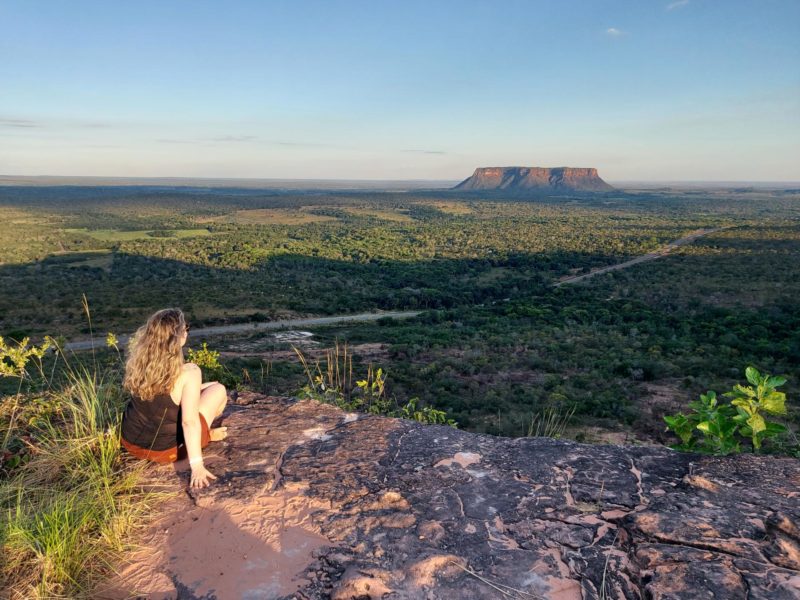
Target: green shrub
718, 428
213, 370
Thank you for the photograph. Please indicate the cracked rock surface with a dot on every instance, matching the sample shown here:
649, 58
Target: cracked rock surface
315, 503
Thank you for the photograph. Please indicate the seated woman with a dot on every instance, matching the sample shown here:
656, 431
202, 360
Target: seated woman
170, 409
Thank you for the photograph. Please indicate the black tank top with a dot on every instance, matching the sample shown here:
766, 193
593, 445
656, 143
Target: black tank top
152, 424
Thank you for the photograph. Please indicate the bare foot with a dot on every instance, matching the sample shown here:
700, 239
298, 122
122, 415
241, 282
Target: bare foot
218, 433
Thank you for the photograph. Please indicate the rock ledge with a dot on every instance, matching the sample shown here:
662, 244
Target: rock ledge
315, 503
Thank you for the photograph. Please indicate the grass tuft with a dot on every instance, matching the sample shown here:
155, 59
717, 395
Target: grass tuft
66, 512
550, 422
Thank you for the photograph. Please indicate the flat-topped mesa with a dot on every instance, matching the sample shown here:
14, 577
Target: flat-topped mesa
520, 179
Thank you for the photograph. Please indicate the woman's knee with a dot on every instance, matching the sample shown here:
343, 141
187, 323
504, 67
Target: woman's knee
216, 389
212, 401
221, 394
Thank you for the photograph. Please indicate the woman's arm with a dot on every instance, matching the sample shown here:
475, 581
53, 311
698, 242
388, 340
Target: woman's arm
192, 428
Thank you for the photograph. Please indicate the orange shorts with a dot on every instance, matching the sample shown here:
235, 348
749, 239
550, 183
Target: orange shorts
170, 454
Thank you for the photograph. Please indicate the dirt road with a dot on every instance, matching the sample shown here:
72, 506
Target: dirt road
260, 326
660, 253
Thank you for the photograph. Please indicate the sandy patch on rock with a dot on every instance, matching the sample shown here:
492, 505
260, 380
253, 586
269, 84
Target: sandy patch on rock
232, 549
462, 459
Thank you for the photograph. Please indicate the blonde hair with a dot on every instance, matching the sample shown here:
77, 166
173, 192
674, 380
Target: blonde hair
155, 355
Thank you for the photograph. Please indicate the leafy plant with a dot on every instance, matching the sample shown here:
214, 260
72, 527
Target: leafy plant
15, 358
112, 342
372, 393
205, 358
213, 370
716, 423
427, 414
717, 428
753, 401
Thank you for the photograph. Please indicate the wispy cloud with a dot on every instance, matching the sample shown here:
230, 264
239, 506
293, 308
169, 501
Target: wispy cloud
217, 139
439, 152
614, 32
677, 4
51, 124
233, 138
18, 123
301, 144
238, 139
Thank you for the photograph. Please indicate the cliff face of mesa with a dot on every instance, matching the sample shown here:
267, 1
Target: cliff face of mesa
522, 179
315, 503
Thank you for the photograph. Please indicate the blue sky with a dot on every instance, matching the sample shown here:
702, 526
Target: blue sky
640, 89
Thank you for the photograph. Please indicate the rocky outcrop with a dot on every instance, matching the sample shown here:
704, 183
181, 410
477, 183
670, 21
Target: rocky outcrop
315, 503
539, 179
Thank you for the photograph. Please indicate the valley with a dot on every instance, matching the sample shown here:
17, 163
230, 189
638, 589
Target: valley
490, 333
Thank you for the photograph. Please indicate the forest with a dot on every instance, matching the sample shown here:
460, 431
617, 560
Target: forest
495, 343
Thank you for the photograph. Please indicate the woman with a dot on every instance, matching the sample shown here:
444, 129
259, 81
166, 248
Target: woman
170, 410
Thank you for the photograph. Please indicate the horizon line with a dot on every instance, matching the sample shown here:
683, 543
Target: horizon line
145, 178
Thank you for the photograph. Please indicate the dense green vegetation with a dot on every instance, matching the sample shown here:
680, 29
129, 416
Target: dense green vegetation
496, 344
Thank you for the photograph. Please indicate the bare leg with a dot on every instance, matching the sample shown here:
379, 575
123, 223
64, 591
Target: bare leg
213, 399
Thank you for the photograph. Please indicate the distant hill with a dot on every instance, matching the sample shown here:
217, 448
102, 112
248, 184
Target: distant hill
522, 179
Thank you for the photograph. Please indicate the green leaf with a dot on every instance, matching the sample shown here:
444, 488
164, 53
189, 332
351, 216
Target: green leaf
728, 427
709, 399
776, 381
697, 406
757, 424
744, 405
774, 403
753, 376
705, 427
774, 428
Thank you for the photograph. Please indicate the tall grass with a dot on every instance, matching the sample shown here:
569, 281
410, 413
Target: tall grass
331, 381
551, 422
65, 513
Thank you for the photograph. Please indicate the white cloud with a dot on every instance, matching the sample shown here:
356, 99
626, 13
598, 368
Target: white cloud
614, 32
677, 4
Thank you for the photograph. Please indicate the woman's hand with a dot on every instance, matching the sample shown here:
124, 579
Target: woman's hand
201, 477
